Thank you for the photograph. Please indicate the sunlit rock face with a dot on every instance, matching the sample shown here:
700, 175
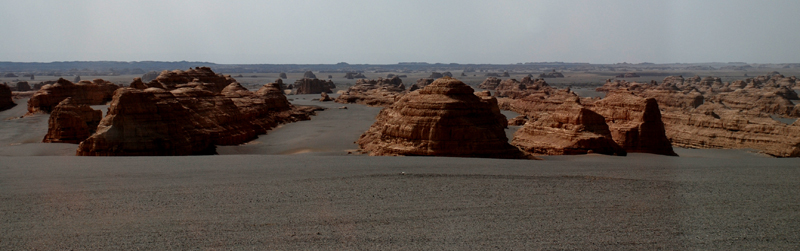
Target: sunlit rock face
443, 119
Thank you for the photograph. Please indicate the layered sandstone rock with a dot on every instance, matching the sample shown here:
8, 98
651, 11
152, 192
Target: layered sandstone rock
71, 123
96, 92
188, 120
149, 122
442, 119
380, 92
713, 125
324, 97
137, 83
518, 120
6, 101
765, 101
313, 86
571, 129
635, 122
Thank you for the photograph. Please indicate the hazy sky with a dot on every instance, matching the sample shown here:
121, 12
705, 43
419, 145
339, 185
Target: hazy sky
447, 31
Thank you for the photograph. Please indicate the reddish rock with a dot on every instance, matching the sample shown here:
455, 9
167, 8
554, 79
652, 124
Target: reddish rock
442, 119
23, 86
765, 101
71, 123
514, 89
6, 101
202, 77
490, 83
635, 122
518, 120
713, 125
138, 84
188, 120
149, 122
313, 86
96, 92
571, 129
380, 92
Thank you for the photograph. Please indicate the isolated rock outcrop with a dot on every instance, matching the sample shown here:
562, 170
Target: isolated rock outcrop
435, 75
201, 77
380, 92
552, 74
71, 123
96, 92
149, 76
324, 97
23, 86
6, 101
282, 75
442, 119
352, 75
571, 129
313, 86
309, 74
635, 122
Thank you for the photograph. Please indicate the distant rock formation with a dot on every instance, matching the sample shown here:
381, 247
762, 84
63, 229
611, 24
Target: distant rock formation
443, 119
353, 75
447, 74
435, 75
188, 120
76, 79
517, 89
96, 92
492, 74
282, 75
313, 86
505, 74
150, 76
23, 86
137, 83
553, 74
380, 92
627, 75
570, 129
490, 83
518, 120
421, 83
635, 122
10, 75
71, 123
201, 77
309, 74
6, 101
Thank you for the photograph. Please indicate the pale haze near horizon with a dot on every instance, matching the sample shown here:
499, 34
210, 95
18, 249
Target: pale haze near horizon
387, 32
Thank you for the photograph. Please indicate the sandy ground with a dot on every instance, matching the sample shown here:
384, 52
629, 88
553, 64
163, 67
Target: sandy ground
298, 188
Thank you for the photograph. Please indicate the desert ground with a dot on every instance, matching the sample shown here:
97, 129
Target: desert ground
304, 186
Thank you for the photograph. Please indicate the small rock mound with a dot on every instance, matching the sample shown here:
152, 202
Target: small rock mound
71, 123
6, 101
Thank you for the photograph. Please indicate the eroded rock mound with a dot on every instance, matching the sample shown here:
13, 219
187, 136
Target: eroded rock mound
552, 74
202, 77
96, 92
6, 101
442, 119
512, 88
490, 83
353, 75
571, 129
309, 74
23, 86
380, 92
188, 120
313, 86
635, 122
71, 123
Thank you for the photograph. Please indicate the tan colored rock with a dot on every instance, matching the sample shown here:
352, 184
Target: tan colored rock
635, 122
380, 92
760, 100
571, 129
324, 97
95, 92
6, 101
442, 119
138, 84
713, 125
514, 89
71, 123
490, 83
202, 77
188, 120
518, 120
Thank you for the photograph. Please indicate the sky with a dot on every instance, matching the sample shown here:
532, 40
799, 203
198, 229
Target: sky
388, 32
